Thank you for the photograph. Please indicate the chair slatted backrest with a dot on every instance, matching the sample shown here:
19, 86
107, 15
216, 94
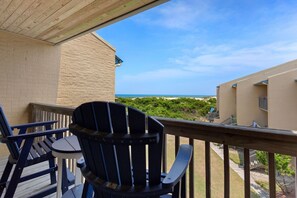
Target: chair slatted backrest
123, 164
6, 132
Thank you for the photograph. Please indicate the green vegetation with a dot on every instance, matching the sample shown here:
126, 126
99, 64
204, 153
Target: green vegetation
283, 167
235, 156
265, 185
180, 108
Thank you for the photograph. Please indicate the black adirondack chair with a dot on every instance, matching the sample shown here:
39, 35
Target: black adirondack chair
26, 151
122, 150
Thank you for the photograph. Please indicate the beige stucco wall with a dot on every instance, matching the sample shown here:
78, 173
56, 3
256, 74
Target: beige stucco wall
226, 98
282, 105
29, 72
247, 105
87, 71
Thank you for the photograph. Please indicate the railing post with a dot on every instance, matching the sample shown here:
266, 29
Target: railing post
192, 171
33, 113
247, 183
207, 170
226, 172
177, 143
271, 170
164, 158
295, 159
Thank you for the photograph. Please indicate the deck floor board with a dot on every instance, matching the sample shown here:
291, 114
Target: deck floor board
25, 189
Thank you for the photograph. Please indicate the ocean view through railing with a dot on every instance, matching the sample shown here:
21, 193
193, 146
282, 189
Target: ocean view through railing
269, 140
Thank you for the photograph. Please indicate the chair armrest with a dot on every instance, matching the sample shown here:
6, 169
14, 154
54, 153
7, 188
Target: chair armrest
34, 124
36, 134
179, 166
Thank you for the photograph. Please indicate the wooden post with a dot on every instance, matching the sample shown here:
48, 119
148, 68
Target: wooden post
207, 169
271, 170
226, 172
247, 183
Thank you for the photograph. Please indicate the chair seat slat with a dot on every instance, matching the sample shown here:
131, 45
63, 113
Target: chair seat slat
37, 148
33, 153
44, 146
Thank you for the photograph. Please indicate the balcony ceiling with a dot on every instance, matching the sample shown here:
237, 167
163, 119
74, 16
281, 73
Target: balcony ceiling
55, 21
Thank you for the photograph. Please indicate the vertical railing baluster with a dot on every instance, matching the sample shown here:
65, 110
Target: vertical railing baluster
247, 183
207, 170
295, 159
191, 171
226, 172
164, 156
177, 143
271, 169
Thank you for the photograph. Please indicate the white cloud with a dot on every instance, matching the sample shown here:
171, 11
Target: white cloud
214, 59
217, 60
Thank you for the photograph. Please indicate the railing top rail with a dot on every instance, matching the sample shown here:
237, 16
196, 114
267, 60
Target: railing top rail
53, 108
275, 134
271, 140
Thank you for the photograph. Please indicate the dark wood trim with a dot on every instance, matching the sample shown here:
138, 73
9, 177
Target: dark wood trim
226, 172
247, 180
177, 143
207, 170
192, 170
164, 157
270, 140
271, 169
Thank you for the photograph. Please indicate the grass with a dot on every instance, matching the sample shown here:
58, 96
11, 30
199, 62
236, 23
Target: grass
265, 185
217, 172
234, 156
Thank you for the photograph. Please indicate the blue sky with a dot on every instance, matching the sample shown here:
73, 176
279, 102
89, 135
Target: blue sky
191, 46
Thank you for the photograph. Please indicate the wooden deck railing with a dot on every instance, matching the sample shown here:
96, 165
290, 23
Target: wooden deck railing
270, 140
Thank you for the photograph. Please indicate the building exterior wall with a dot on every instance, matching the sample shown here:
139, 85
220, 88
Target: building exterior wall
247, 105
281, 92
282, 105
87, 71
29, 72
227, 98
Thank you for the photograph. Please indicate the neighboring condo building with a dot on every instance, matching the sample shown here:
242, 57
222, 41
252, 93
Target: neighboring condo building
268, 98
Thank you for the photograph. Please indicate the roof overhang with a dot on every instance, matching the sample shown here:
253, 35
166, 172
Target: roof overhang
56, 21
263, 82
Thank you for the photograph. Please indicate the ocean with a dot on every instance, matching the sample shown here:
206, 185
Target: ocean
160, 95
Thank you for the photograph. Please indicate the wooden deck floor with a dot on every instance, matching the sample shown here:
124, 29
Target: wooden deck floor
28, 188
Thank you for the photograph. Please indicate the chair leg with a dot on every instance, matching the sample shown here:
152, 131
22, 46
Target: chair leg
177, 190
64, 177
183, 187
10, 190
15, 179
52, 174
5, 176
87, 190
